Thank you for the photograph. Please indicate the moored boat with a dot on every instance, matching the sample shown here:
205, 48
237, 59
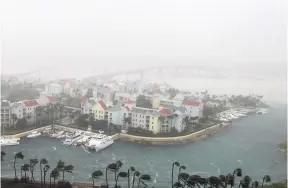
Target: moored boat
34, 134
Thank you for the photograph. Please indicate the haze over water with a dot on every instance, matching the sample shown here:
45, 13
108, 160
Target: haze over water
251, 144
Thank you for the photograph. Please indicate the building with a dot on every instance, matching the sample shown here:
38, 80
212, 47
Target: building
87, 105
43, 100
141, 118
122, 97
54, 89
25, 109
193, 108
100, 110
116, 115
5, 114
105, 93
165, 120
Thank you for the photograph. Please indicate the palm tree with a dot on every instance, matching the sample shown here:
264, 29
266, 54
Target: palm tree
203, 182
194, 180
112, 167
266, 179
18, 155
245, 182
45, 170
54, 174
2, 155
136, 173
214, 181
144, 177
33, 162
96, 175
183, 177
181, 167
122, 175
68, 168
237, 172
255, 184
25, 168
60, 166
230, 180
177, 164
44, 162
14, 119
132, 169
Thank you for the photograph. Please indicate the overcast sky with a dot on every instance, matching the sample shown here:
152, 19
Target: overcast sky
96, 35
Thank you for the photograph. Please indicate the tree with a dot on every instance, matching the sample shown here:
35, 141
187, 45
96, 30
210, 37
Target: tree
114, 167
180, 168
131, 169
45, 170
89, 93
122, 175
18, 155
136, 174
172, 178
55, 175
14, 119
96, 175
25, 169
44, 162
141, 101
266, 179
69, 169
32, 164
245, 182
2, 155
144, 177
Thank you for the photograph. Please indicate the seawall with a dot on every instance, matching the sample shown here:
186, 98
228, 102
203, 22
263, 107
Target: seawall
202, 134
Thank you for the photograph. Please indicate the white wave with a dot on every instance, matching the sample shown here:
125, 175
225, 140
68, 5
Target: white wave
54, 148
240, 162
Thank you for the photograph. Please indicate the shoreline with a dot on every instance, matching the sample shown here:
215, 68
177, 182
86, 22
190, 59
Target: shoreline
199, 135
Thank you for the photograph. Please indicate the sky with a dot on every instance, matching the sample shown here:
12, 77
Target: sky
88, 36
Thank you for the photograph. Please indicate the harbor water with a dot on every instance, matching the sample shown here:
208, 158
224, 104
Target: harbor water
250, 144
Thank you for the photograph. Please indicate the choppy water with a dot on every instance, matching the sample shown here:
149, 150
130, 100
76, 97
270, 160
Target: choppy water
251, 144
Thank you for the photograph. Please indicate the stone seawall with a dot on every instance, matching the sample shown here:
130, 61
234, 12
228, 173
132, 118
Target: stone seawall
171, 140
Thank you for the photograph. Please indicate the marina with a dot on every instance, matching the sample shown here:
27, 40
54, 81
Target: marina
229, 151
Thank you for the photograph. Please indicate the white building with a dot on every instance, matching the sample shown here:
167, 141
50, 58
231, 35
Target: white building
193, 108
25, 109
54, 89
5, 113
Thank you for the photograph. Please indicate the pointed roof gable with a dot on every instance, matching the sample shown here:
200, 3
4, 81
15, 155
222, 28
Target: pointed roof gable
103, 105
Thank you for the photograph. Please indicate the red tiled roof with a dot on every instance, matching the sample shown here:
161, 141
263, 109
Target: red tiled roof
84, 99
165, 112
103, 105
191, 103
127, 108
130, 102
51, 98
31, 103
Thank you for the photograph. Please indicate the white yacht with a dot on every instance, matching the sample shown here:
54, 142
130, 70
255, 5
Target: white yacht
34, 134
99, 142
70, 139
8, 142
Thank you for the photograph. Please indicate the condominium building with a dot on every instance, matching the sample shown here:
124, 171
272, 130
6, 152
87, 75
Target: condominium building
5, 113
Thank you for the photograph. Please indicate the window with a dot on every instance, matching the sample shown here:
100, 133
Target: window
152, 127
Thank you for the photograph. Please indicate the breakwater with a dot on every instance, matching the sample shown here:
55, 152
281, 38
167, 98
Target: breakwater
202, 134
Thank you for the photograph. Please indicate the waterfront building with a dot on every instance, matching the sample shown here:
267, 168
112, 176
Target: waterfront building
116, 115
100, 110
25, 109
5, 113
193, 108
